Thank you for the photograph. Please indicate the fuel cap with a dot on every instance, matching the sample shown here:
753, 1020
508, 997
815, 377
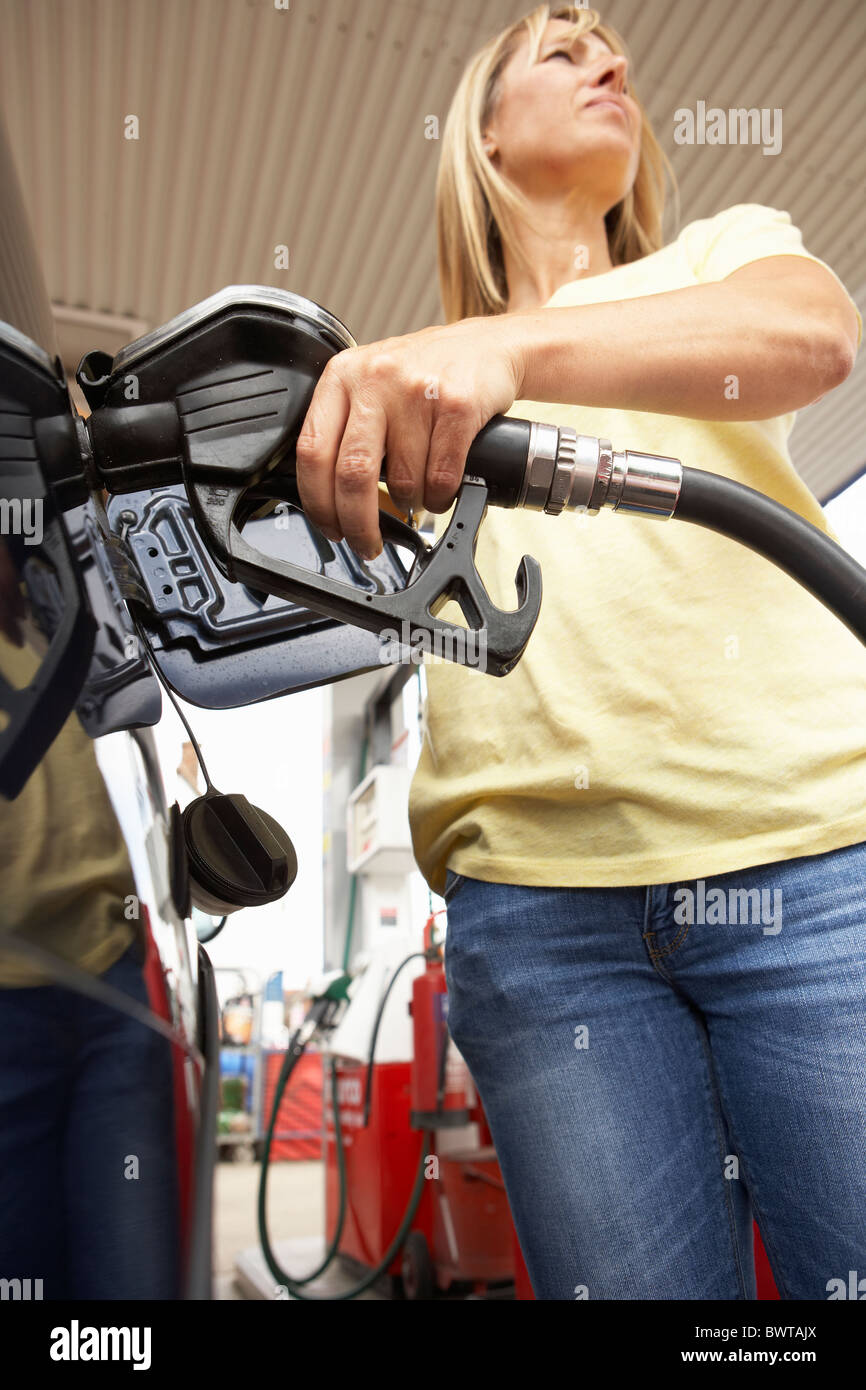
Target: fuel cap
239, 856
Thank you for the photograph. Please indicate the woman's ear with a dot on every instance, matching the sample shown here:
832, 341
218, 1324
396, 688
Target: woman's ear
488, 144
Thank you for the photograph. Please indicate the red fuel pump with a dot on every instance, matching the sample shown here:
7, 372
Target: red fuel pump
462, 1232
442, 1090
473, 1238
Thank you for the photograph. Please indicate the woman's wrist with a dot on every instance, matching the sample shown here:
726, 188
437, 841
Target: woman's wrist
548, 353
514, 336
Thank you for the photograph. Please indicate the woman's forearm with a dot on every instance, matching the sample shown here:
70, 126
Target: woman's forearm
749, 347
770, 338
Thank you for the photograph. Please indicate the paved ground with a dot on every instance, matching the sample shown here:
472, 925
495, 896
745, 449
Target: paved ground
296, 1209
296, 1224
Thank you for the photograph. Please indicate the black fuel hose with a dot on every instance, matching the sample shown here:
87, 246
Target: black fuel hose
293, 1284
634, 482
294, 1052
780, 535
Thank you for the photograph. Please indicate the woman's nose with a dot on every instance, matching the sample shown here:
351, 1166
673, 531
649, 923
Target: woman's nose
612, 72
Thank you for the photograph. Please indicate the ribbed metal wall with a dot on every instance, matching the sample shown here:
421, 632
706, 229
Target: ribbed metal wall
305, 127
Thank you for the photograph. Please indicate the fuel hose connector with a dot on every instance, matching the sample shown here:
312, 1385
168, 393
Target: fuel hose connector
566, 471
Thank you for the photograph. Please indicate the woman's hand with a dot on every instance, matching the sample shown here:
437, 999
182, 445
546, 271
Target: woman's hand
419, 399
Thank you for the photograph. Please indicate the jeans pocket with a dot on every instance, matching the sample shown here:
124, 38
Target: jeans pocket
453, 883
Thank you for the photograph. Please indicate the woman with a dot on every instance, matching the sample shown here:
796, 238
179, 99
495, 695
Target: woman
652, 830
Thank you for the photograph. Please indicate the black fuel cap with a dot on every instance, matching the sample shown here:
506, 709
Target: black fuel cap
239, 856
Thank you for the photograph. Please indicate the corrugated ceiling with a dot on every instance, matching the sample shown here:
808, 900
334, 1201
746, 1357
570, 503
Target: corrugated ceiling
305, 127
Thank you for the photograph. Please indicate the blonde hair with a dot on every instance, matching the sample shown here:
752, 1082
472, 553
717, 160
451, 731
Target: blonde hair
475, 205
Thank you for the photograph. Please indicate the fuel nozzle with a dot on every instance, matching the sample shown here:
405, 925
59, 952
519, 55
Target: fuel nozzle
566, 471
220, 396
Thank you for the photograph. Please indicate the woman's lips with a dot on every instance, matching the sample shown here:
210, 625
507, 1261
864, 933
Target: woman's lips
605, 104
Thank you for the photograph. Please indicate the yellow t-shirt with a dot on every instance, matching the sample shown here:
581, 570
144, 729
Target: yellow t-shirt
683, 708
65, 875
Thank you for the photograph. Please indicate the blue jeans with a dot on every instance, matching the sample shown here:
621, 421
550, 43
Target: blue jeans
655, 1073
85, 1091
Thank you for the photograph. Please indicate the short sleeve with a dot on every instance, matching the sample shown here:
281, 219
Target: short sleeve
717, 246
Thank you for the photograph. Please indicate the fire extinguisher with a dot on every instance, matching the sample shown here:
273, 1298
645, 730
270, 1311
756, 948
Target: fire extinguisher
442, 1090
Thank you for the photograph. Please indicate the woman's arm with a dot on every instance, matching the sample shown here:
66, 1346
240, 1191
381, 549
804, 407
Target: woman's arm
781, 326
